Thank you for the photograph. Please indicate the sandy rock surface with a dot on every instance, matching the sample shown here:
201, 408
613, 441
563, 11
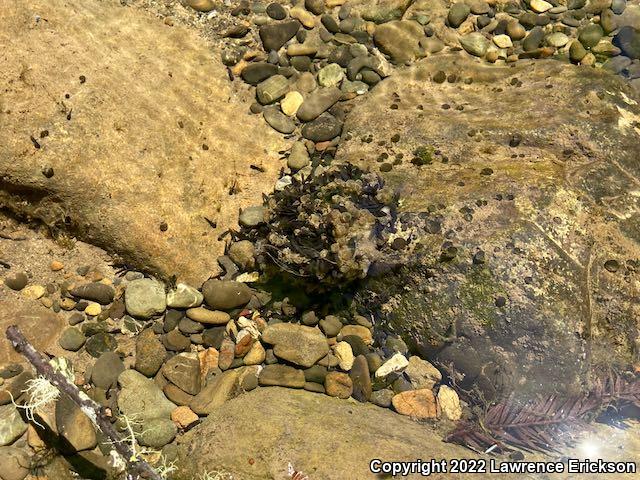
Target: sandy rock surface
132, 147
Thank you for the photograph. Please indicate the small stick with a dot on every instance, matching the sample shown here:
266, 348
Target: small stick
138, 468
6, 236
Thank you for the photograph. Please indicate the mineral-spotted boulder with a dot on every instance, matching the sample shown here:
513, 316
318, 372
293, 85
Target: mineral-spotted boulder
521, 225
140, 158
305, 429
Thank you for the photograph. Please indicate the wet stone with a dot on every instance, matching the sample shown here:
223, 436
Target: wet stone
106, 370
145, 297
176, 395
323, 128
16, 281
272, 89
224, 295
274, 36
176, 341
458, 13
276, 11
100, 343
189, 327
361, 379
257, 72
72, 339
171, 319
382, 398
281, 375
183, 371
278, 120
212, 337
96, 292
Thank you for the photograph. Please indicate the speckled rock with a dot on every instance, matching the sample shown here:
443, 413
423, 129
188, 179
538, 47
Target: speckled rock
150, 353
11, 425
338, 384
420, 404
157, 432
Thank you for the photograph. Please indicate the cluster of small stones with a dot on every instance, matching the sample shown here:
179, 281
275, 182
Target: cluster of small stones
307, 60
584, 31
164, 356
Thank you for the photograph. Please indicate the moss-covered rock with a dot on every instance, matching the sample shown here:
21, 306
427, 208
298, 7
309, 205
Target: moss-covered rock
525, 198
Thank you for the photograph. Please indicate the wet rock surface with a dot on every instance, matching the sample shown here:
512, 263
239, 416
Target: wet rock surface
492, 189
475, 209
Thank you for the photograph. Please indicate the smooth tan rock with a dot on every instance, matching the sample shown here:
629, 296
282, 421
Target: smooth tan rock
400, 40
281, 376
183, 417
217, 391
298, 344
74, 425
200, 5
305, 17
33, 292
421, 373
29, 317
256, 355
208, 317
363, 332
539, 6
15, 463
502, 41
419, 404
291, 103
449, 403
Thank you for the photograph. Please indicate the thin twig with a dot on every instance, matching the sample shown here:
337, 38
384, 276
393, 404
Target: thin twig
137, 468
6, 236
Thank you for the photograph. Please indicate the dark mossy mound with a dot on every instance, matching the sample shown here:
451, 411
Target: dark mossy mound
329, 229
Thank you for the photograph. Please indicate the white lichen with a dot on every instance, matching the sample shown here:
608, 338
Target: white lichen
40, 393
